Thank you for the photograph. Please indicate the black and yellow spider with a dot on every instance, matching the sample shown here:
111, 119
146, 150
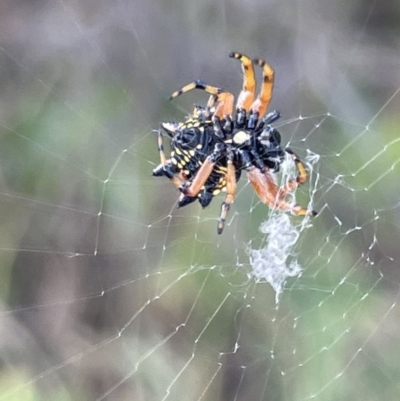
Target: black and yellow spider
210, 149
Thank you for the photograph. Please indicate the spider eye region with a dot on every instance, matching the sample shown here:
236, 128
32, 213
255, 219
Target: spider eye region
240, 137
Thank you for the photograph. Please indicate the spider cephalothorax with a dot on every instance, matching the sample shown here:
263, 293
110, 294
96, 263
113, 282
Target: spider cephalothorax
211, 148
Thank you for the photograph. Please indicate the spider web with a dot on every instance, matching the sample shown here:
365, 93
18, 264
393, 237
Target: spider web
109, 292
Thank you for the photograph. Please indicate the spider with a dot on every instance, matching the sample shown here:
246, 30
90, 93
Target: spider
211, 148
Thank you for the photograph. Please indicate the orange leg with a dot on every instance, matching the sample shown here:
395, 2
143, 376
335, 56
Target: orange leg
193, 187
230, 195
225, 99
269, 193
301, 177
260, 105
225, 106
246, 96
200, 179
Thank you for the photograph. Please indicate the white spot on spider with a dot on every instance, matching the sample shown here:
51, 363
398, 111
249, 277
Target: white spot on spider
241, 137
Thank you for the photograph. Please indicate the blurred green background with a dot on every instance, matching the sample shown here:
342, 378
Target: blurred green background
110, 293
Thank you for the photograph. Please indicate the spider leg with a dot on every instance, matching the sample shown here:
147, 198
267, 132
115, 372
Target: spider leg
230, 194
193, 187
302, 173
225, 105
166, 165
210, 104
260, 105
246, 96
225, 99
299, 180
265, 187
198, 84
161, 148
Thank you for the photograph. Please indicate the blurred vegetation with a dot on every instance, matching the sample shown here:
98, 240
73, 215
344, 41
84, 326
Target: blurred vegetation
108, 291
